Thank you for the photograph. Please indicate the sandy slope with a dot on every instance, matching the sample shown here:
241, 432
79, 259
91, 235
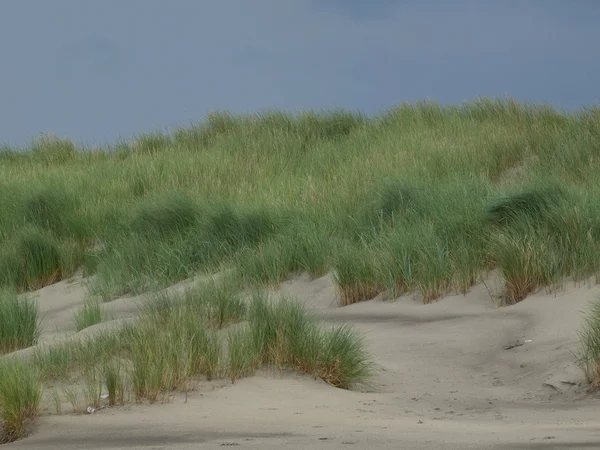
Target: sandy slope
456, 374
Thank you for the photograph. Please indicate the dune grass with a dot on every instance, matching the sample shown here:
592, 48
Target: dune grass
19, 322
425, 197
589, 337
20, 396
420, 199
207, 332
89, 314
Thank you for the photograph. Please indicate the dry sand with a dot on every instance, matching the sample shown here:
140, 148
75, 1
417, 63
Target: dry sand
456, 374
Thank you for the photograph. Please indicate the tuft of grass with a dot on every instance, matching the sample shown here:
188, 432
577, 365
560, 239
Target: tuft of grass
89, 314
149, 143
331, 125
526, 260
396, 200
112, 374
19, 322
223, 307
589, 338
236, 229
20, 396
54, 362
534, 204
243, 356
281, 256
52, 149
35, 260
286, 334
53, 208
357, 275
165, 217
200, 136
399, 256
344, 361
434, 271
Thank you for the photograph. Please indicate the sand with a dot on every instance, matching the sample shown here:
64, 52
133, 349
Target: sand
460, 373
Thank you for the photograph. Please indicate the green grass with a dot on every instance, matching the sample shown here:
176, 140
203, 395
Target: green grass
207, 332
19, 322
589, 337
286, 334
20, 396
276, 194
420, 199
89, 314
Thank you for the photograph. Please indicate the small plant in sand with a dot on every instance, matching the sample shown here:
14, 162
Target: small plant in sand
89, 314
20, 396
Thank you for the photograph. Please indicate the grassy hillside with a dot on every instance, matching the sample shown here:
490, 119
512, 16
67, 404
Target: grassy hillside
422, 198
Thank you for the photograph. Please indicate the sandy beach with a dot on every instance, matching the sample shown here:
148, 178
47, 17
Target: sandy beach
460, 373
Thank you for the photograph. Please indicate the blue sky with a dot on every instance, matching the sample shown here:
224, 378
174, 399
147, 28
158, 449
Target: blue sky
96, 71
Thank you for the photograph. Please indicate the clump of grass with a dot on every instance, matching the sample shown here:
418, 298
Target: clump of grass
35, 259
157, 362
526, 261
223, 306
399, 255
169, 348
165, 217
328, 126
534, 204
174, 343
357, 275
589, 337
285, 334
200, 136
20, 396
284, 255
400, 198
53, 150
112, 374
54, 362
237, 228
434, 271
74, 398
89, 314
209, 356
134, 264
213, 304
386, 205
149, 143
344, 360
243, 356
19, 322
53, 209
92, 386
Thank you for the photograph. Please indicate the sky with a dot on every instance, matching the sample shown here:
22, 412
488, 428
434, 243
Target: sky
100, 71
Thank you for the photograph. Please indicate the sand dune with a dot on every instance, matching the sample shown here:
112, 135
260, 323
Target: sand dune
456, 374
